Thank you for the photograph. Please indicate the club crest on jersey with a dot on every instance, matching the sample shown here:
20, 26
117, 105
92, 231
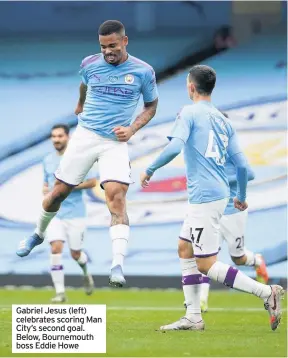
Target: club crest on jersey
113, 79
129, 79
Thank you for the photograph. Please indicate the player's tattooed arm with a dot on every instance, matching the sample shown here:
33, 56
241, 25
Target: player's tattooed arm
123, 134
82, 98
145, 116
82, 91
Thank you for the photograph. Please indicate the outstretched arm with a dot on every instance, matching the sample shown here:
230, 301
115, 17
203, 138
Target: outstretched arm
232, 178
169, 153
179, 136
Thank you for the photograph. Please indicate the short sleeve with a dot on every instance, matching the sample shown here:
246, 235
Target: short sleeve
149, 88
82, 73
183, 125
233, 143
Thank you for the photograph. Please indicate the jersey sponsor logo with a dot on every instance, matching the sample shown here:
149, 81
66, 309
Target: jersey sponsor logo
129, 79
113, 91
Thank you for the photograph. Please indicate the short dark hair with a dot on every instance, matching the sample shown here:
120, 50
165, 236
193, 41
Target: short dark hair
63, 126
204, 78
111, 27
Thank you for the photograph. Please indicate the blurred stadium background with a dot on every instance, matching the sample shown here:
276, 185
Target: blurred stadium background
40, 53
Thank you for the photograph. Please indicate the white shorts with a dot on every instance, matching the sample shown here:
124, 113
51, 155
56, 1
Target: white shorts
84, 149
201, 227
232, 228
70, 230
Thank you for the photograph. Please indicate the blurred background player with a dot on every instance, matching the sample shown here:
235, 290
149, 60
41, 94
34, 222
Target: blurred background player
112, 83
206, 137
232, 230
70, 222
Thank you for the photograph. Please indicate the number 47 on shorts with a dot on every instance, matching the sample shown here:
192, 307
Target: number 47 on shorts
195, 234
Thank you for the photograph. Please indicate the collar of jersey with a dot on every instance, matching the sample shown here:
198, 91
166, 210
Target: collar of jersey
121, 64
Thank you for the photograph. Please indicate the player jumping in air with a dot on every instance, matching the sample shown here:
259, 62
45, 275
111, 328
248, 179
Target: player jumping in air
232, 230
70, 222
112, 82
207, 138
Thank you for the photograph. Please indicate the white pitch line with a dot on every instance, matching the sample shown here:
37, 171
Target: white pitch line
212, 309
155, 308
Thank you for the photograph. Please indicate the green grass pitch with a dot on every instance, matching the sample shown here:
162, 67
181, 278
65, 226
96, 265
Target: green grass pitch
236, 325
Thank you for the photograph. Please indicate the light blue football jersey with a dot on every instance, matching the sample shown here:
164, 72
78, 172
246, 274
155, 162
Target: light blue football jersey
73, 206
113, 92
209, 138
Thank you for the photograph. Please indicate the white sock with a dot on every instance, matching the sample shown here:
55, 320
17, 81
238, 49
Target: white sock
234, 278
43, 222
57, 272
82, 261
119, 235
191, 283
205, 288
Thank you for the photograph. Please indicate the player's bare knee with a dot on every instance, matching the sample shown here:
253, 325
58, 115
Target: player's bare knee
185, 250
116, 198
202, 267
59, 194
205, 263
116, 201
75, 254
117, 205
115, 193
239, 260
119, 202
56, 247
